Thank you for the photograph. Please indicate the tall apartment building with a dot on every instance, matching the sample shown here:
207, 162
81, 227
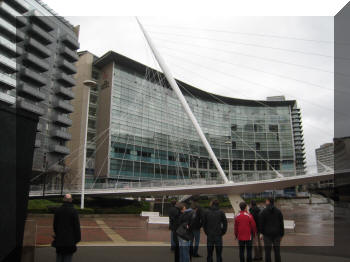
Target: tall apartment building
325, 156
137, 129
37, 67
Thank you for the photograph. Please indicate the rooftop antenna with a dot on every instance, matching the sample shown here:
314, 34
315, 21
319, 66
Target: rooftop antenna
182, 99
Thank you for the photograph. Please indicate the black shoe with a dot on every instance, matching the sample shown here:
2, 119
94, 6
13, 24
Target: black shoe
197, 255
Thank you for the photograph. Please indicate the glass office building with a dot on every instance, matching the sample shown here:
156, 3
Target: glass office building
146, 135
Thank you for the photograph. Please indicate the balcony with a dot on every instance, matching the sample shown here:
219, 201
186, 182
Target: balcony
39, 64
64, 92
19, 5
70, 55
70, 41
58, 168
30, 75
65, 79
7, 81
34, 93
13, 15
62, 120
43, 21
6, 98
9, 46
23, 104
8, 64
61, 134
63, 106
34, 45
59, 149
67, 67
40, 34
11, 30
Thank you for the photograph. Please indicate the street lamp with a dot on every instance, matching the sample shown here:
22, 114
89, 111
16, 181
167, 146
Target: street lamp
88, 84
229, 143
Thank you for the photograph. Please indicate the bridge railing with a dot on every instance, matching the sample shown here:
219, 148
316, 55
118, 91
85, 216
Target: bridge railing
126, 185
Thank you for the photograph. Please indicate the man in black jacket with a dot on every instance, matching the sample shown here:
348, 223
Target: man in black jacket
66, 226
255, 212
272, 228
215, 226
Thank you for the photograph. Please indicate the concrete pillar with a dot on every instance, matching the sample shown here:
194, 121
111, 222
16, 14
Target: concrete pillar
235, 200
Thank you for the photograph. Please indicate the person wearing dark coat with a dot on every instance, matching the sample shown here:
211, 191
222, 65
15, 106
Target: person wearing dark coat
184, 232
255, 212
196, 227
215, 226
66, 226
174, 222
272, 229
173, 214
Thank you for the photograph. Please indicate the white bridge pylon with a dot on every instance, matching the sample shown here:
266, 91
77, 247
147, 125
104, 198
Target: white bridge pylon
183, 101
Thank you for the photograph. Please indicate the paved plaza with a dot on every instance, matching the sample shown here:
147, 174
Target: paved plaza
314, 227
130, 238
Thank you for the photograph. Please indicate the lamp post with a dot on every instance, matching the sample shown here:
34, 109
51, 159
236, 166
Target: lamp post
88, 84
229, 143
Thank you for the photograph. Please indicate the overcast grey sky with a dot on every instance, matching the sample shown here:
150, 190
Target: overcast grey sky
243, 57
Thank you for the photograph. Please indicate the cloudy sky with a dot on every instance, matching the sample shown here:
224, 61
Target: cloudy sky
249, 57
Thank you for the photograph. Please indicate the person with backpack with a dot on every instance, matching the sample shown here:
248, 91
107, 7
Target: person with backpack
215, 226
184, 232
272, 229
245, 230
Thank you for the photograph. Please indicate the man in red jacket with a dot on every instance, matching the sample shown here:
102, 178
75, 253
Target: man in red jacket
245, 230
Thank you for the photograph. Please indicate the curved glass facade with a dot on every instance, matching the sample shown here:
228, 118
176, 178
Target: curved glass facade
151, 137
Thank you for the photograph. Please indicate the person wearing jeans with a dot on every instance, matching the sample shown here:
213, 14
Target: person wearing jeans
184, 249
184, 232
196, 228
245, 230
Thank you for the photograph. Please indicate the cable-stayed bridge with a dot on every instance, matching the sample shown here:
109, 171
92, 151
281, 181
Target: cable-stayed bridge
189, 187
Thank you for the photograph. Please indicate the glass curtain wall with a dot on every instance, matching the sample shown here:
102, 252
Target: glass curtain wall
152, 137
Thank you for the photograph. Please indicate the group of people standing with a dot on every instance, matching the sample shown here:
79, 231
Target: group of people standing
186, 220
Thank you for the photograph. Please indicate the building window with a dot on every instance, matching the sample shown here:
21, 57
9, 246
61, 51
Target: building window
121, 150
233, 145
143, 154
172, 158
249, 165
234, 127
261, 165
273, 128
257, 128
203, 163
275, 164
257, 146
237, 165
